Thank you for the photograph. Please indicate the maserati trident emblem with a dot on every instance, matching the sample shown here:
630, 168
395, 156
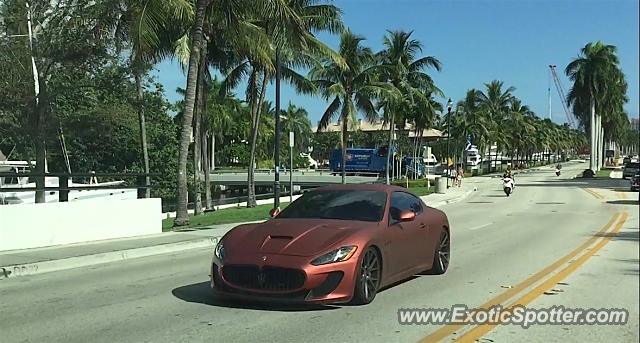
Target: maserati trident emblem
261, 279
264, 258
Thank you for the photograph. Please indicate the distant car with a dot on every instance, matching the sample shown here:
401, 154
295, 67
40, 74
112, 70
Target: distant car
334, 244
630, 169
635, 183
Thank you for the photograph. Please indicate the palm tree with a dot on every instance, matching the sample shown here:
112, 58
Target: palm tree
518, 126
404, 71
423, 115
596, 86
469, 120
292, 44
236, 20
296, 120
350, 87
495, 106
147, 26
182, 218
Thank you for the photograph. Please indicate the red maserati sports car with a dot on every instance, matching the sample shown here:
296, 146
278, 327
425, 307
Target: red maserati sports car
333, 244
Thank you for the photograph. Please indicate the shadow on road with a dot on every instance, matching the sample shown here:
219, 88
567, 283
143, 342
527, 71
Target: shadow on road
633, 236
633, 266
623, 202
619, 185
201, 293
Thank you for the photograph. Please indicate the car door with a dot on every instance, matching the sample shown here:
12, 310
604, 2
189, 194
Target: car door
425, 233
406, 236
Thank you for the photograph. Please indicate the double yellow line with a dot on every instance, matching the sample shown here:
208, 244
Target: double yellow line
621, 195
479, 331
594, 193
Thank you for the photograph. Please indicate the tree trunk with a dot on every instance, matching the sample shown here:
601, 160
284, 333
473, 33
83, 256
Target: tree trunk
415, 149
345, 132
604, 148
592, 136
253, 80
497, 147
143, 126
490, 156
207, 171
391, 127
197, 146
40, 141
213, 151
251, 193
182, 218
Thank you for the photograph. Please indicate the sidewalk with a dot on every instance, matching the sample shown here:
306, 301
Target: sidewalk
16, 263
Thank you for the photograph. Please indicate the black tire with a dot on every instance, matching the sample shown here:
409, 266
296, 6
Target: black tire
507, 191
368, 278
442, 254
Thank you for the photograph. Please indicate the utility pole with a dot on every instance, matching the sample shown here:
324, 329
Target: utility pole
449, 104
291, 166
276, 182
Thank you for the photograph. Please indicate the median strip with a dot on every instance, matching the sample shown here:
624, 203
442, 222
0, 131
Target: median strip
447, 330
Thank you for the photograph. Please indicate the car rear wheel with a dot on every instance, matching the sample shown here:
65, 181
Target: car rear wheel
442, 254
368, 279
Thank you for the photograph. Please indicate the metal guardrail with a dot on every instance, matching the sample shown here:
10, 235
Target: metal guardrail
267, 171
320, 172
63, 183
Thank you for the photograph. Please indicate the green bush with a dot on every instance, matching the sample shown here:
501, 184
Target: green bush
265, 164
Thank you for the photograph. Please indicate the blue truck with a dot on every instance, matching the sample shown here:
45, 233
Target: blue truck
360, 161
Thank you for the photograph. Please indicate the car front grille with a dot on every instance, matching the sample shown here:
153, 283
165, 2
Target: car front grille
265, 279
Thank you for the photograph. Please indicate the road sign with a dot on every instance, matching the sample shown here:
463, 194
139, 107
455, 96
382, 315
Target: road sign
291, 139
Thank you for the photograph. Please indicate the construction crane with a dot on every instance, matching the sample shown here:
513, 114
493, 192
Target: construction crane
563, 98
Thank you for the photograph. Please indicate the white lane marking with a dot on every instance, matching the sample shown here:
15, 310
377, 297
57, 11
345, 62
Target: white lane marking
480, 226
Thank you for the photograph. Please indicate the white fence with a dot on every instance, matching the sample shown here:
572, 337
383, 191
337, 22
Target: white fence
26, 226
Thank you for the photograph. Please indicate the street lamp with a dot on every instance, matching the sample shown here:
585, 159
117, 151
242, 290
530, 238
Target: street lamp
449, 104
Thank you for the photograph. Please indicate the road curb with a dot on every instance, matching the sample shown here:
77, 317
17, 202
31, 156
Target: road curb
113, 256
452, 200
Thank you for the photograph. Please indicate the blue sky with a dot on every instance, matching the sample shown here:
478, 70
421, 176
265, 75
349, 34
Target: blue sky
479, 41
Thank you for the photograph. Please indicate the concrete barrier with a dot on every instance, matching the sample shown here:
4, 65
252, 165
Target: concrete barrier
25, 226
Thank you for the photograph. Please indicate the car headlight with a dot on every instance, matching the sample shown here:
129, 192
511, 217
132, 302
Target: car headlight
337, 255
220, 252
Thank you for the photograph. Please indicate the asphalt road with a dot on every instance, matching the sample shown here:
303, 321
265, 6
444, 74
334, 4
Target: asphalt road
501, 250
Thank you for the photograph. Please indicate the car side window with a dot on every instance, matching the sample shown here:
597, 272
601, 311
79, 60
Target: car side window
415, 204
402, 201
396, 206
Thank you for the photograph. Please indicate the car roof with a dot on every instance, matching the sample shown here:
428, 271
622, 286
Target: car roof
363, 187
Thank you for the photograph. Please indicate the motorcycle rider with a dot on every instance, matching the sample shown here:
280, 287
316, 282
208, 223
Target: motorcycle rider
509, 174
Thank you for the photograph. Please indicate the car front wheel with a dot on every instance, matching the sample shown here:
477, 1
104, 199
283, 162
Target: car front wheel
368, 278
442, 254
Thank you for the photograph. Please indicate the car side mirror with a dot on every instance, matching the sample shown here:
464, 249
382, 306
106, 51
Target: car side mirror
407, 216
274, 212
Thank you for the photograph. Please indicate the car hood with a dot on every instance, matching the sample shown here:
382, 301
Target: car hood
297, 237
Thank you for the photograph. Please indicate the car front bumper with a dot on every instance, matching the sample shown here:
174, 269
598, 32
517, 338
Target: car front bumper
330, 283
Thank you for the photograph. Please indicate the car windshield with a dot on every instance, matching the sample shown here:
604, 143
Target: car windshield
366, 206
